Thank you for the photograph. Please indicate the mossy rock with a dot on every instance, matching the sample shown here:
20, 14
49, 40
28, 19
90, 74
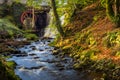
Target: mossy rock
8, 29
6, 70
4, 10
11, 64
118, 54
30, 36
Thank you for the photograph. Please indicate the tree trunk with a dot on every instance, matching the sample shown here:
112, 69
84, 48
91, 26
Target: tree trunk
33, 18
58, 23
113, 11
117, 13
109, 9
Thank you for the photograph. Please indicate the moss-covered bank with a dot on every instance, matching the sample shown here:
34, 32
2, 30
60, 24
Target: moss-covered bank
6, 70
8, 33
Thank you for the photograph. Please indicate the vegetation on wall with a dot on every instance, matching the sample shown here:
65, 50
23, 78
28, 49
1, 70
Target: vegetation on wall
4, 10
8, 29
17, 10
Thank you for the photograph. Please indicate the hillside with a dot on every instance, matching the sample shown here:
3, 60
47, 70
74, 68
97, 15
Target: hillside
93, 41
86, 44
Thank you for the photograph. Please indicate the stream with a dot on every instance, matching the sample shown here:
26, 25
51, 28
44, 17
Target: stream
37, 62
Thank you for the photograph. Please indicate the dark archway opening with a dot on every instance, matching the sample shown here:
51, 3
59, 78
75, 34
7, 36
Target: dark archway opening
41, 23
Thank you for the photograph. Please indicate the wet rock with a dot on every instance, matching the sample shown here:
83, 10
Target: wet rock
9, 51
17, 52
6, 54
43, 61
41, 50
52, 61
59, 65
49, 41
55, 52
57, 56
47, 38
56, 48
47, 47
44, 68
69, 67
50, 50
26, 47
32, 54
34, 67
26, 42
29, 50
33, 47
20, 46
15, 43
61, 68
21, 55
36, 57
62, 56
67, 60
64, 60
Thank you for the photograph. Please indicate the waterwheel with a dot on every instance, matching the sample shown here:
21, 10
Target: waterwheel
27, 19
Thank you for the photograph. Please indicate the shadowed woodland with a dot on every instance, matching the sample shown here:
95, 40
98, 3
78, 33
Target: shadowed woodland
75, 39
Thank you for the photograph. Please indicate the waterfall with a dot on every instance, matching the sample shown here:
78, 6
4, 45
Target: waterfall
50, 30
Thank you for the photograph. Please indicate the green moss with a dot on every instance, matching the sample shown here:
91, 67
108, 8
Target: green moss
56, 40
6, 70
77, 66
11, 64
112, 39
17, 9
118, 53
96, 17
8, 29
4, 10
31, 36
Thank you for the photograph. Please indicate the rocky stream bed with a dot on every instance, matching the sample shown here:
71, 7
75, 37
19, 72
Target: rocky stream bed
36, 61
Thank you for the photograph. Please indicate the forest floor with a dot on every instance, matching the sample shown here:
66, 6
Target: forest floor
93, 41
